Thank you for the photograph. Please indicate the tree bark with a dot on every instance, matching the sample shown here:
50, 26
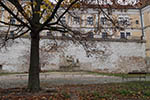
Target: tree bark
33, 79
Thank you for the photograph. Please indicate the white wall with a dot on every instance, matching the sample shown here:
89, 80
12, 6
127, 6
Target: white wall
115, 56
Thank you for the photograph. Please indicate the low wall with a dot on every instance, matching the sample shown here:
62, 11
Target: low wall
107, 56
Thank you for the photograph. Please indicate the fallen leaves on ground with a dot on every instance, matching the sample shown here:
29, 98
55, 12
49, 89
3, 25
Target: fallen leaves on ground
110, 91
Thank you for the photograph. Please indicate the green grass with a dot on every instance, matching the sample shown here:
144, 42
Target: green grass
117, 91
108, 74
96, 95
135, 90
65, 95
85, 72
146, 93
114, 74
10, 73
125, 92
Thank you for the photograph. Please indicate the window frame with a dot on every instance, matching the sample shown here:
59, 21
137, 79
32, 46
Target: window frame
12, 20
126, 34
104, 35
124, 20
76, 20
104, 21
90, 20
63, 19
122, 36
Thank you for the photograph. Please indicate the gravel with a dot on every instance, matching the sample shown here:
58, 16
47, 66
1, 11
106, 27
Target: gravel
21, 80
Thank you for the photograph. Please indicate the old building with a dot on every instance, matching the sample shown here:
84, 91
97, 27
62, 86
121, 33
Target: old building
125, 49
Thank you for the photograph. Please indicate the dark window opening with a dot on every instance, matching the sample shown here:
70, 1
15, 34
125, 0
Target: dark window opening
109, 11
76, 20
124, 21
12, 33
49, 33
90, 20
63, 35
137, 22
63, 20
128, 34
90, 35
1, 67
122, 35
104, 35
103, 20
12, 20
125, 34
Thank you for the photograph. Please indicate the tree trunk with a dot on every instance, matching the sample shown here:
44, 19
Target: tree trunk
33, 79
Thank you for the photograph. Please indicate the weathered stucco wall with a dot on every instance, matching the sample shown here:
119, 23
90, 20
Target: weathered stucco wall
108, 57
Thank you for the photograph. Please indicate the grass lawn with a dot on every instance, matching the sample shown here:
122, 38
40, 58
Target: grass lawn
85, 72
114, 74
9, 73
107, 74
110, 91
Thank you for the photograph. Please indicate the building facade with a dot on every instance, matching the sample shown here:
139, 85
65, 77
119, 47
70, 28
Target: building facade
133, 39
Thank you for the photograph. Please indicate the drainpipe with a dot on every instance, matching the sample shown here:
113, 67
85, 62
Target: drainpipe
142, 25
147, 58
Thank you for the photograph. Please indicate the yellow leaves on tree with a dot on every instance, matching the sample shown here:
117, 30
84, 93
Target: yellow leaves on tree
47, 4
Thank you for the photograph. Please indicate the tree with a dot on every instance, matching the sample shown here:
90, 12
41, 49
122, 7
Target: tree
35, 16
32, 12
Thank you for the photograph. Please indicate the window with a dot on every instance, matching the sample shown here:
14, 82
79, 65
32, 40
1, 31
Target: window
122, 35
2, 9
90, 20
63, 35
104, 35
49, 33
137, 22
120, 19
2, 14
109, 11
12, 33
63, 20
128, 34
125, 34
76, 20
12, 20
103, 20
127, 20
1, 67
124, 20
90, 35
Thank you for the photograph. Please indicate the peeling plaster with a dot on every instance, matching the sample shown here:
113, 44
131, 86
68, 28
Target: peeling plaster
118, 56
